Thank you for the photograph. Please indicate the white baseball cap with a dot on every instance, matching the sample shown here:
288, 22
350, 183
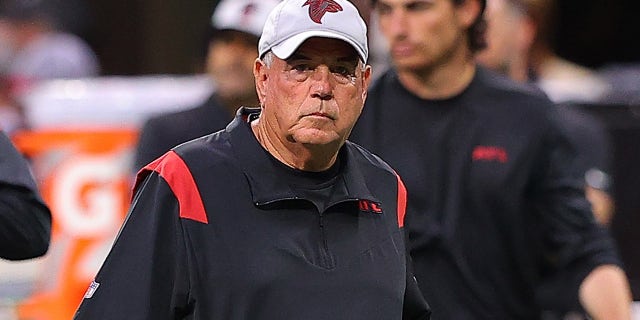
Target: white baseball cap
294, 21
242, 15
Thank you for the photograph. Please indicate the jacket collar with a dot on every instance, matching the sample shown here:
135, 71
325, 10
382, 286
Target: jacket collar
267, 186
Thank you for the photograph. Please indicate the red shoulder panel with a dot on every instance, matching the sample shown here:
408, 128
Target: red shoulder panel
173, 170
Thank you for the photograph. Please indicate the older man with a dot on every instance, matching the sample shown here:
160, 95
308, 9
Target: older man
277, 216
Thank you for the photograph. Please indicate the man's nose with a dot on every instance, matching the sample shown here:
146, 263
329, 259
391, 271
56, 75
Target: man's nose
396, 24
322, 83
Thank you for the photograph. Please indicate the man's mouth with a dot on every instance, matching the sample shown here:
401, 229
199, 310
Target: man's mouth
320, 114
401, 49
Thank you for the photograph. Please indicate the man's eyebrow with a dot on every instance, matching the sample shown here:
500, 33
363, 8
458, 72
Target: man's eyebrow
351, 58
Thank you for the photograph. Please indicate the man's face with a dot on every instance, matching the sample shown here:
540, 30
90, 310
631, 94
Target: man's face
504, 22
230, 64
423, 33
315, 96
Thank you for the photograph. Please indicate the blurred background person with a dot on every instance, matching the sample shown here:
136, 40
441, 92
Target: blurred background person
36, 47
25, 220
509, 39
521, 41
495, 205
11, 111
519, 38
232, 48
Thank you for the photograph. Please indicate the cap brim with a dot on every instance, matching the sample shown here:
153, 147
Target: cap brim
286, 48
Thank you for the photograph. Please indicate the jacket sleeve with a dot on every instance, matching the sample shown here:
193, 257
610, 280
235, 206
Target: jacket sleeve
415, 307
25, 220
574, 243
145, 274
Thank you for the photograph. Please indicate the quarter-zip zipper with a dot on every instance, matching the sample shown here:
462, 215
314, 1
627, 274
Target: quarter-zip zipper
327, 259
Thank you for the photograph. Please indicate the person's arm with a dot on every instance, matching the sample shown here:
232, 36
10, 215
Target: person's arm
605, 294
25, 224
575, 243
145, 275
25, 220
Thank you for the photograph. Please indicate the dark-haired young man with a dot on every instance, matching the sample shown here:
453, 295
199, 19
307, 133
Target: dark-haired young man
494, 204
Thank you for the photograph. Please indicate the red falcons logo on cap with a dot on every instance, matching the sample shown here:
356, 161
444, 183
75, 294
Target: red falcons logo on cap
317, 8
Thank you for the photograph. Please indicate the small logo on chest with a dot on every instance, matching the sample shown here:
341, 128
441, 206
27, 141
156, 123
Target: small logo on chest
369, 206
490, 153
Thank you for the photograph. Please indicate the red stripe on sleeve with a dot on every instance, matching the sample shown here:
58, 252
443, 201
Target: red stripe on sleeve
173, 169
402, 201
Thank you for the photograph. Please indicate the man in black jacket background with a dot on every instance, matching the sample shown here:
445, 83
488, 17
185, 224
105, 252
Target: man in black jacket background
231, 51
25, 220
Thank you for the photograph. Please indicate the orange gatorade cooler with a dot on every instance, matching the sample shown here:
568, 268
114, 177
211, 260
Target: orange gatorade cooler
85, 176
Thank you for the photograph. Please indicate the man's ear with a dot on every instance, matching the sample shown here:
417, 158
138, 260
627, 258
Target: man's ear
468, 12
366, 80
260, 76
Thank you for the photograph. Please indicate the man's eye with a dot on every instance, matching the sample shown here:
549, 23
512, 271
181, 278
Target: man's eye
300, 67
343, 71
419, 6
383, 9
